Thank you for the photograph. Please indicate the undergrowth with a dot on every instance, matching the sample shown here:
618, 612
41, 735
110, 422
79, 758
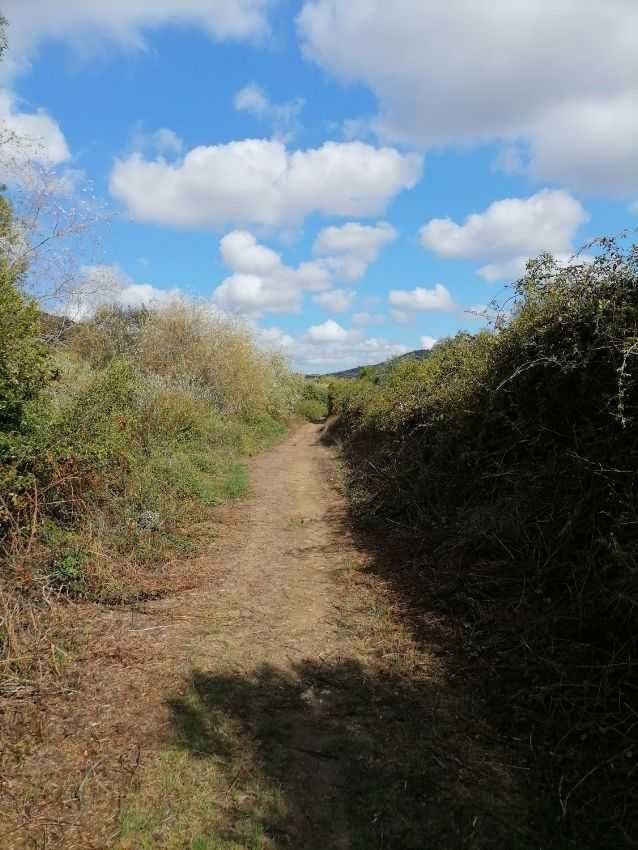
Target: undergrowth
313, 404
508, 461
116, 441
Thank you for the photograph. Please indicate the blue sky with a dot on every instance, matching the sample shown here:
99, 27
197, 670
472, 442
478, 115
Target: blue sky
312, 166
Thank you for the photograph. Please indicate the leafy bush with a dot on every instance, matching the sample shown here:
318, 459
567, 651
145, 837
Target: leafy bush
313, 404
514, 454
24, 366
149, 413
68, 572
312, 410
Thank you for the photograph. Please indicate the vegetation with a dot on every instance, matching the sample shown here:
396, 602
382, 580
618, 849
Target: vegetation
508, 461
114, 444
313, 404
374, 369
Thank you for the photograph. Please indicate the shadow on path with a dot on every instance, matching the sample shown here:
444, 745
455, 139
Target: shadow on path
358, 758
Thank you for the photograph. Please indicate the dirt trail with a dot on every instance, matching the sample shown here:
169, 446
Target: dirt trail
349, 718
276, 599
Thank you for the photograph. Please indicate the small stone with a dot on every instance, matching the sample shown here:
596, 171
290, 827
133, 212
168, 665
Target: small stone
149, 520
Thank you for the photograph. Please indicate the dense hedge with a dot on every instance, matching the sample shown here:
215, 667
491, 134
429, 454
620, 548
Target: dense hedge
514, 454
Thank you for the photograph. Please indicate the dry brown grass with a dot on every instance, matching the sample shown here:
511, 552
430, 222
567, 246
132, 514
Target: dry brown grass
35, 639
218, 355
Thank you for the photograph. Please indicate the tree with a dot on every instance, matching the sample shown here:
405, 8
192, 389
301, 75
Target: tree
55, 218
24, 363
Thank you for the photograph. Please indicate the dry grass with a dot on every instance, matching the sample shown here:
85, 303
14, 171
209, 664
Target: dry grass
37, 640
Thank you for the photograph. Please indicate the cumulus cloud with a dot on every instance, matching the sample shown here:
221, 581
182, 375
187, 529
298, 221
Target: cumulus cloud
428, 342
420, 300
100, 285
331, 331
260, 181
283, 116
260, 282
352, 247
330, 346
521, 71
335, 300
590, 144
85, 22
30, 136
508, 232
274, 339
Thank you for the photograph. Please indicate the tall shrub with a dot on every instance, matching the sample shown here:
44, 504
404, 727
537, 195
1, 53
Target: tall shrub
24, 365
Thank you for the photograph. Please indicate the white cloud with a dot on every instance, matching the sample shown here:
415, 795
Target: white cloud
260, 282
428, 342
335, 300
252, 99
419, 300
352, 247
284, 116
273, 339
84, 22
167, 141
163, 142
241, 252
109, 284
329, 347
590, 144
364, 318
508, 232
259, 181
505, 270
562, 80
30, 136
331, 331
251, 295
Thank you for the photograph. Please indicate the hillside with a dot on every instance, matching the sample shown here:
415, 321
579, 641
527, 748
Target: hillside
355, 372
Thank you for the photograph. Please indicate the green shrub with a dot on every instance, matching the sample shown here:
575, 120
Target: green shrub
150, 411
67, 572
313, 404
513, 454
24, 363
312, 410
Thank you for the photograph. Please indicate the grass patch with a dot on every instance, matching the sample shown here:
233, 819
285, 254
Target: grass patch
236, 481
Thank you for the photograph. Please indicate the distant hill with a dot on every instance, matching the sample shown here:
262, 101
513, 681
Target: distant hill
418, 354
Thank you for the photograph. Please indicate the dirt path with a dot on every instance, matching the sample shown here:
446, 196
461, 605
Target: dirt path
282, 703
